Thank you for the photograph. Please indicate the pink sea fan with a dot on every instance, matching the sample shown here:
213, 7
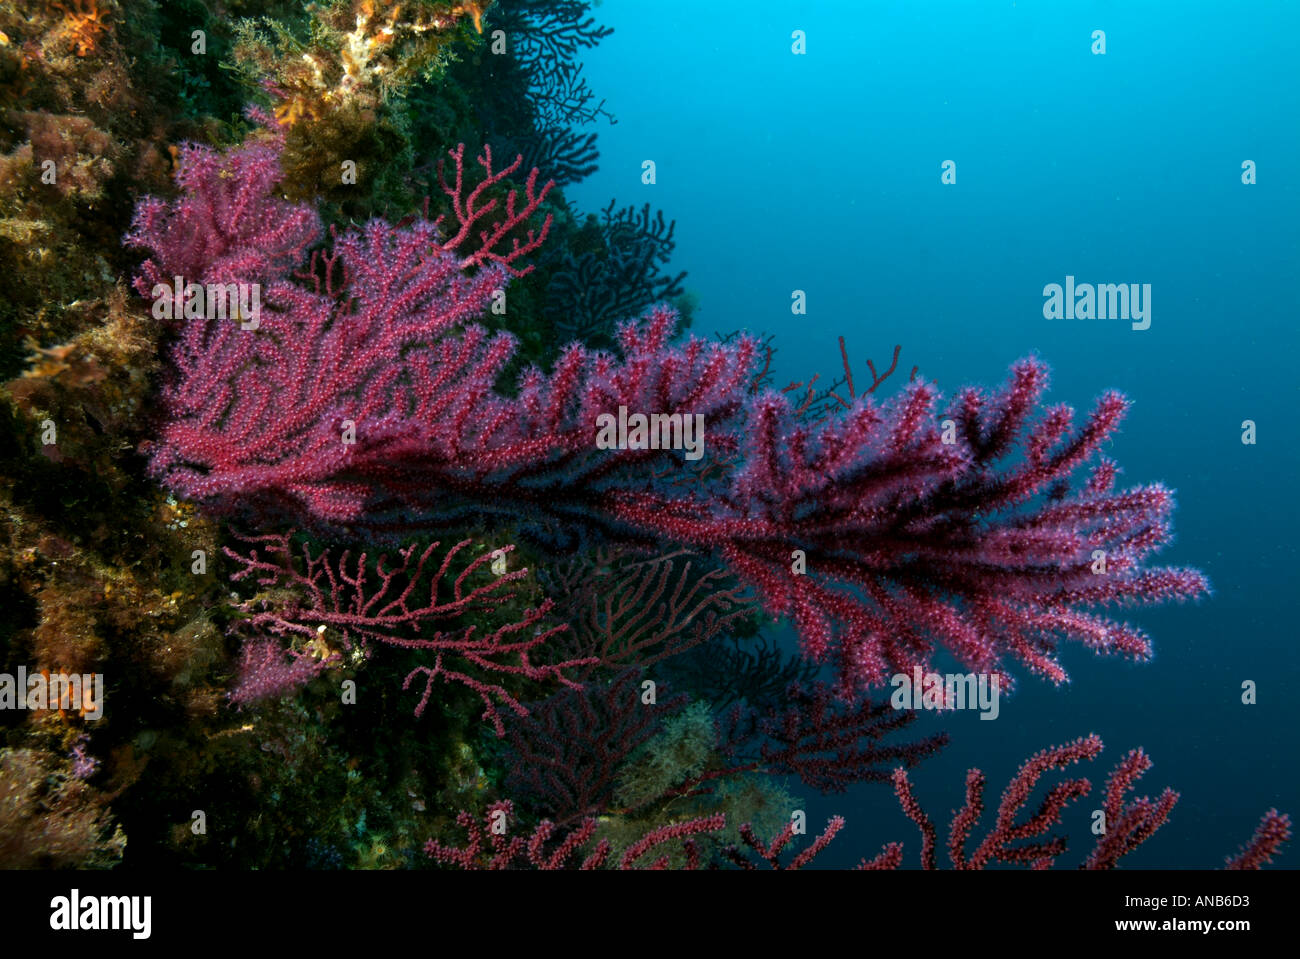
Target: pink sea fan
228, 226
885, 531
269, 671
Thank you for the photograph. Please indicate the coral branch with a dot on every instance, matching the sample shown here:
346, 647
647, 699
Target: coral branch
518, 852
829, 744
1273, 830
1126, 825
470, 209
771, 853
626, 611
313, 598
566, 754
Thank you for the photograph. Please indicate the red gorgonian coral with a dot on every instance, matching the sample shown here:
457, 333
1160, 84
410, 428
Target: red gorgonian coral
1016, 840
883, 530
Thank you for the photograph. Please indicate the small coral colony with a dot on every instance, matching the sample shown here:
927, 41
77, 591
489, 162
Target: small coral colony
367, 505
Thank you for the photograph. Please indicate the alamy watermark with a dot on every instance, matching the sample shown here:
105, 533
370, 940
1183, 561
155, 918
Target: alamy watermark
922, 690
1104, 301
651, 431
210, 301
73, 692
75, 912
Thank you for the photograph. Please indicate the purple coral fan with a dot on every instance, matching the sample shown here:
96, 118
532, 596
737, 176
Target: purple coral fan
228, 224
883, 531
269, 671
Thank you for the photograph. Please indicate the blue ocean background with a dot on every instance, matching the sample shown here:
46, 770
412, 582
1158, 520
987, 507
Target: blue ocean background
821, 173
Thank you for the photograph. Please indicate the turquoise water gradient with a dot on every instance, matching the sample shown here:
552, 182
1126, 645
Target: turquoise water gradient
822, 173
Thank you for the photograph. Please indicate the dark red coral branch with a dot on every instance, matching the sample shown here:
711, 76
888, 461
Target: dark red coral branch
829, 743
626, 609
770, 853
312, 597
471, 208
1273, 830
495, 849
1129, 825
565, 755
491, 847
1025, 841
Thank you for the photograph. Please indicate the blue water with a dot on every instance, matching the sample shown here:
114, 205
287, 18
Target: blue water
821, 173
